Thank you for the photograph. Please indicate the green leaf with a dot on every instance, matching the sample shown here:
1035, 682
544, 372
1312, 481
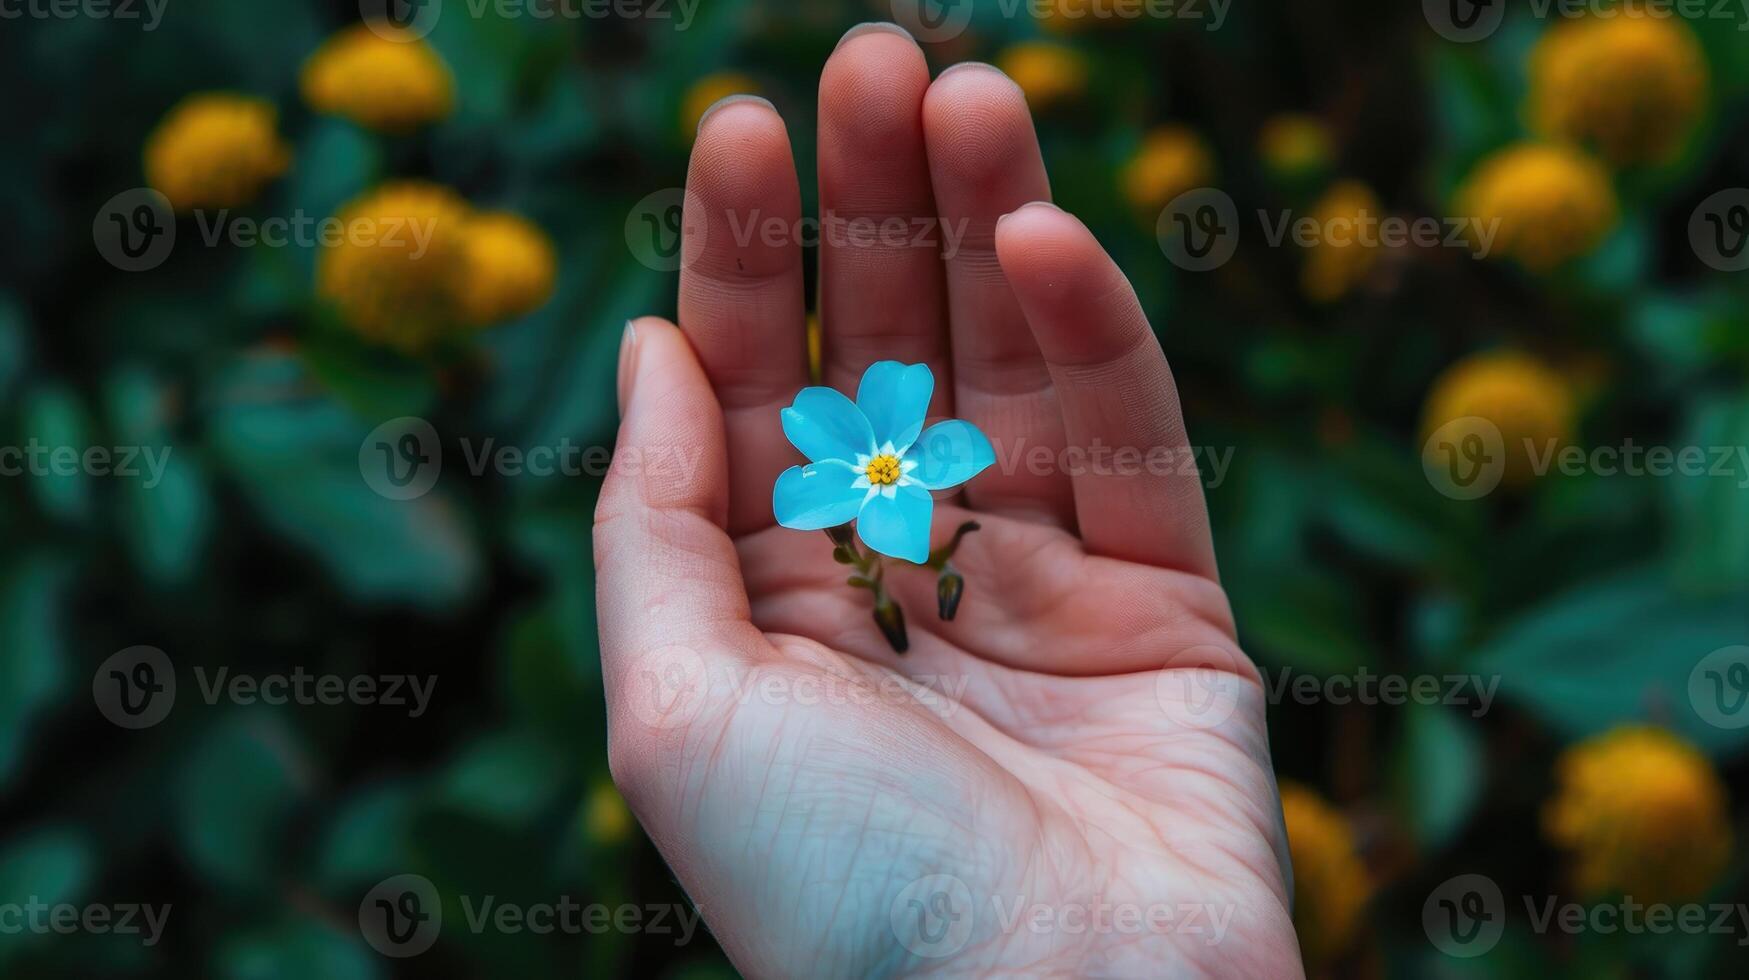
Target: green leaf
368, 838
52, 864
49, 866
509, 778
166, 513
1379, 502
57, 435
295, 950
1710, 511
236, 797
543, 683
1439, 772
555, 536
14, 344
296, 454
32, 650
373, 383
1616, 651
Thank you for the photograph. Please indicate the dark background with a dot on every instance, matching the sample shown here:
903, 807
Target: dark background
1590, 597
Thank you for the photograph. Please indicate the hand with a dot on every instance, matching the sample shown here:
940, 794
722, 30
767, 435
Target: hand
1074, 778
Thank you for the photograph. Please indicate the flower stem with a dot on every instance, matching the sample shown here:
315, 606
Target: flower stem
871, 574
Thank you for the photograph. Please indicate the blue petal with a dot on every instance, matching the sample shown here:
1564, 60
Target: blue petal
824, 425
950, 453
899, 526
895, 397
816, 496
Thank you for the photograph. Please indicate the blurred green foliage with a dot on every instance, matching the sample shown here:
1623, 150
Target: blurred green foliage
262, 549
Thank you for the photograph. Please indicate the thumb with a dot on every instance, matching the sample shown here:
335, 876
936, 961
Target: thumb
668, 581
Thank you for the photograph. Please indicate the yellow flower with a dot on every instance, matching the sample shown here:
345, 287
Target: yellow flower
391, 83
1330, 882
1527, 402
1543, 203
1349, 215
1294, 145
215, 151
392, 274
510, 268
605, 816
708, 91
1629, 84
1170, 161
1048, 73
1643, 814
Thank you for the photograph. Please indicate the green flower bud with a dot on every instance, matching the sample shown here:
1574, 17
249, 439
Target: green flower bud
949, 588
891, 619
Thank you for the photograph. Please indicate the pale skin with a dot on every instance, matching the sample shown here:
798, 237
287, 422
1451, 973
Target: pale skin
1079, 782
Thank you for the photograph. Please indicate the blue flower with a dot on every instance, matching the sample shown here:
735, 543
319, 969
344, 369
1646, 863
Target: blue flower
872, 461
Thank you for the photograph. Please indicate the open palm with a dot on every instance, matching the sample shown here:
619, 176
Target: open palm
1070, 778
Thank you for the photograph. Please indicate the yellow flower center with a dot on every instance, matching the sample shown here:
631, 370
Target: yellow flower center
883, 470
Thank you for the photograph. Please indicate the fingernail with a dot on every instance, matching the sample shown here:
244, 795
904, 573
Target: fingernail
729, 100
971, 65
628, 346
1023, 207
874, 27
